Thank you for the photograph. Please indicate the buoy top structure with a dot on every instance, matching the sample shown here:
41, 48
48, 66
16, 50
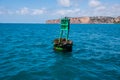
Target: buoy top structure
65, 24
63, 43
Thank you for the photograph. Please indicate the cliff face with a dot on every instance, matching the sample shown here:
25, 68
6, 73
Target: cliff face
92, 20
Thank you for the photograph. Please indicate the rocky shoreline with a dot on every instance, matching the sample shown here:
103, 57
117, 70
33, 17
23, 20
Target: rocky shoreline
88, 20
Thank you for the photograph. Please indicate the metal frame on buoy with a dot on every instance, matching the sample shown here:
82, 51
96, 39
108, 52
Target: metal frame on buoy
63, 43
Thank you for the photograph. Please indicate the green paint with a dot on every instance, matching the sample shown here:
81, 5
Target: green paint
59, 48
64, 31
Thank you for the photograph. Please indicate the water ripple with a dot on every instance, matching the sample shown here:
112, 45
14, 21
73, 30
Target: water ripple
26, 53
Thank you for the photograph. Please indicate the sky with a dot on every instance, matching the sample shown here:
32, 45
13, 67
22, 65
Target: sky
38, 11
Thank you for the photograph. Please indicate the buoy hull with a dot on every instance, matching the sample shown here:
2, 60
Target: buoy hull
65, 46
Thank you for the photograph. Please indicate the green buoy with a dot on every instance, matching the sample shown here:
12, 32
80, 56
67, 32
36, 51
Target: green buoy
63, 43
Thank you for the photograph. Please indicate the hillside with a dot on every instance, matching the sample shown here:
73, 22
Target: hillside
90, 20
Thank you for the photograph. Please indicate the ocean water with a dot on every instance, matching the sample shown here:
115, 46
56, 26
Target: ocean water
26, 52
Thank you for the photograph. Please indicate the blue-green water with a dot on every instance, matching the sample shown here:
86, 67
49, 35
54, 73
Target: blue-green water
26, 52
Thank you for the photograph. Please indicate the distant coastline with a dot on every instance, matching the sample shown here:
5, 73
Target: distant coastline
89, 20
